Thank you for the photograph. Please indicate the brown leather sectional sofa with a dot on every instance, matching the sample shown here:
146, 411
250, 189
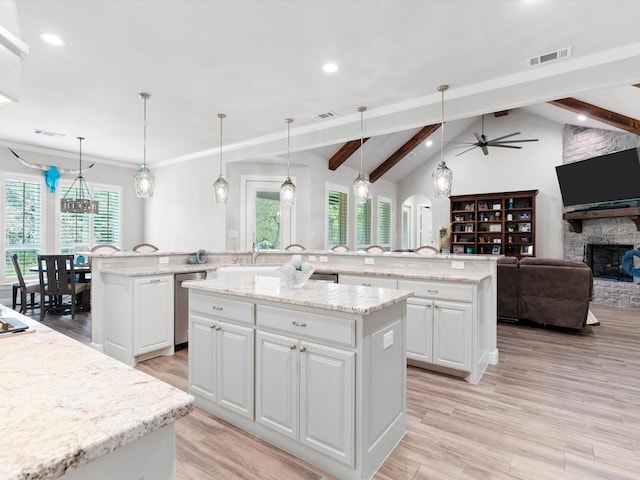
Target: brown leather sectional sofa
544, 290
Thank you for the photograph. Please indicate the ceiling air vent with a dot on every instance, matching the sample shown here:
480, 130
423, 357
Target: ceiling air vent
37, 131
322, 116
550, 57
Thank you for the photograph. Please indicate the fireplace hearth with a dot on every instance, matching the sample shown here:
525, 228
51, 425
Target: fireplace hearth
605, 261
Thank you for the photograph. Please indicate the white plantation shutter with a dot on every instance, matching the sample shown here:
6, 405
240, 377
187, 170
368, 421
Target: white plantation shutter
338, 218
384, 223
363, 225
106, 224
23, 223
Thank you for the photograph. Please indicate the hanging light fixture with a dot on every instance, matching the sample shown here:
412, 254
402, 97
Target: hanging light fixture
442, 175
79, 204
221, 186
361, 184
288, 189
145, 180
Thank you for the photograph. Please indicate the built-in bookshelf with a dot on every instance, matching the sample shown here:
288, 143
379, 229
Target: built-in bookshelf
494, 223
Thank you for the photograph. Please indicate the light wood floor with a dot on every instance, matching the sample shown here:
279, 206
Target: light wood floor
559, 405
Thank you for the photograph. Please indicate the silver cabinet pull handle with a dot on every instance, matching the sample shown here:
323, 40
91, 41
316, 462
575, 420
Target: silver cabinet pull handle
299, 324
215, 307
303, 349
155, 281
292, 346
432, 291
366, 284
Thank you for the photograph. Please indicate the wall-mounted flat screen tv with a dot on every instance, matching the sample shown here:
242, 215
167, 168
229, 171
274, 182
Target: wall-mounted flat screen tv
607, 178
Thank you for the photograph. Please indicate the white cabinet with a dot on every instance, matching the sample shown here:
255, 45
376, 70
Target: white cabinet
221, 354
306, 391
368, 281
441, 326
140, 317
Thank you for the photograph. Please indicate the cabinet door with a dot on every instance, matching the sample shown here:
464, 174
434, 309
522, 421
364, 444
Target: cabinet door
235, 368
452, 335
153, 314
420, 329
277, 383
327, 400
202, 357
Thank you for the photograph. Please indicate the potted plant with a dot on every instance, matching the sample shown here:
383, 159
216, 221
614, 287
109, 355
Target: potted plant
511, 227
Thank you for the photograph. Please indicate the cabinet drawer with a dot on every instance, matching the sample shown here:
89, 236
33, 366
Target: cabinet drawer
382, 282
439, 290
221, 308
310, 325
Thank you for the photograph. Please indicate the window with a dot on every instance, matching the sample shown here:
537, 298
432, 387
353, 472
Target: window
23, 223
338, 213
272, 225
87, 230
363, 225
384, 223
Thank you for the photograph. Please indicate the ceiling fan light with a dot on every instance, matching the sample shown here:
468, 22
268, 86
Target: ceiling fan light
145, 182
442, 180
221, 189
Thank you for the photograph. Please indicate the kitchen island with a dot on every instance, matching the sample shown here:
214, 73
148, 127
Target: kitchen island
318, 371
68, 411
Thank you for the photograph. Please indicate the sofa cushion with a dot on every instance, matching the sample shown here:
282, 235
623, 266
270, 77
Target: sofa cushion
508, 287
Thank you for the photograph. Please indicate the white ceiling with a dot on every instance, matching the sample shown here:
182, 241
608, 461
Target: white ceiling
260, 61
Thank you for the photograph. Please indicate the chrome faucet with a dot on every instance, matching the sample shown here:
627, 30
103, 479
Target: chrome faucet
255, 251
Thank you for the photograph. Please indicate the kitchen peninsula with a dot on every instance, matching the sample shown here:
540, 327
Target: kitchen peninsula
67, 411
318, 371
451, 320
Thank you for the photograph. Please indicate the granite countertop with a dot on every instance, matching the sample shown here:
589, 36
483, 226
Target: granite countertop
147, 270
63, 404
329, 296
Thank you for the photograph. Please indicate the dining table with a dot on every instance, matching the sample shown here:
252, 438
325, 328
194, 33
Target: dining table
83, 272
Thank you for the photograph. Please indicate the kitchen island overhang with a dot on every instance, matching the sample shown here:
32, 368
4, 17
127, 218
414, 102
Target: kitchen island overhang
323, 373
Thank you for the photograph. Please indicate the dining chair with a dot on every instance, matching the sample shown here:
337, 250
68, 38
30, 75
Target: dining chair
58, 280
339, 248
104, 248
294, 247
26, 289
426, 250
374, 249
145, 248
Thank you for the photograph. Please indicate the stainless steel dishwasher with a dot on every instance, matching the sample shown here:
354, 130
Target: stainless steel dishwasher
181, 308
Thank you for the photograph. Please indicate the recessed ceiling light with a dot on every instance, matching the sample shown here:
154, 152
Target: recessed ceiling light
582, 118
52, 39
428, 143
330, 68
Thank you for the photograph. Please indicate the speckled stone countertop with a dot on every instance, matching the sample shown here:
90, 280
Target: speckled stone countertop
158, 269
330, 296
63, 404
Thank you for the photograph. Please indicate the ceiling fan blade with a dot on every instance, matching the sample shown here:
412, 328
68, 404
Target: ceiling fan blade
481, 138
504, 136
493, 142
505, 146
484, 148
467, 150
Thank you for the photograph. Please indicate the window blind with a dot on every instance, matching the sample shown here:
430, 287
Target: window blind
23, 223
384, 224
338, 218
363, 225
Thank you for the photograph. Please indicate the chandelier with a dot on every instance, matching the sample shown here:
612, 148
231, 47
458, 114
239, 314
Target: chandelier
221, 186
288, 189
442, 175
81, 204
145, 180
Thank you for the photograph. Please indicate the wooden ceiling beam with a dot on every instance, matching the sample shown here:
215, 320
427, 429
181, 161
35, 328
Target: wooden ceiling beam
594, 112
402, 152
344, 153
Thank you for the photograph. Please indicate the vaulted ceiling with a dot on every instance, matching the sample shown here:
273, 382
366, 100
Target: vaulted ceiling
261, 62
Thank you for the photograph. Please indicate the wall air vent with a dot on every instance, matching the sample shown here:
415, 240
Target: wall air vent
322, 116
550, 57
47, 133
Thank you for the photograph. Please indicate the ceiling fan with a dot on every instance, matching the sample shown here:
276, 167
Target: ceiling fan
484, 143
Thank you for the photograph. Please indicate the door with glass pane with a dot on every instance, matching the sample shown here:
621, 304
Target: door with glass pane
271, 224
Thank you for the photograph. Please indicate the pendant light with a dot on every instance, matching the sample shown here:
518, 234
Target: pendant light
79, 204
221, 186
145, 180
442, 175
288, 189
361, 184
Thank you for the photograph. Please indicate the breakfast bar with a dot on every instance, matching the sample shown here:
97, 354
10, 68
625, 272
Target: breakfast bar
68, 411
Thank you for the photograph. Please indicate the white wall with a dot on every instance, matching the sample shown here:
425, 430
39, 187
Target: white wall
531, 168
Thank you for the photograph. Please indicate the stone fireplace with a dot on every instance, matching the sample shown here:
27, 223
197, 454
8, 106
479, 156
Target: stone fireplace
602, 233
